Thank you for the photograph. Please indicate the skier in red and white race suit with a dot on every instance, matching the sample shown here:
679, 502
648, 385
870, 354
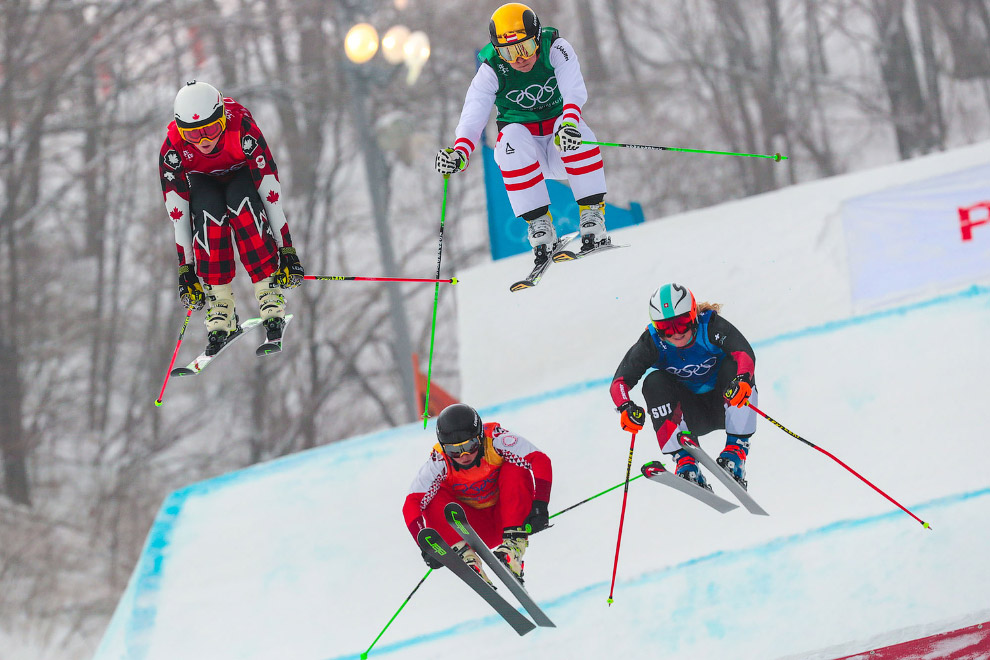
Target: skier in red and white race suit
501, 479
221, 189
532, 76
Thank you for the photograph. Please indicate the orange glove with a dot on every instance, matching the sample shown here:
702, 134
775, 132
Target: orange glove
632, 418
738, 391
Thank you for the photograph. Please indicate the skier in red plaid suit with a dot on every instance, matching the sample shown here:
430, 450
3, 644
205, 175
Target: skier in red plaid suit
222, 191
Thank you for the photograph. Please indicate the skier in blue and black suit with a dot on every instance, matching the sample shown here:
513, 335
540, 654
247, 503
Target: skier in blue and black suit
703, 379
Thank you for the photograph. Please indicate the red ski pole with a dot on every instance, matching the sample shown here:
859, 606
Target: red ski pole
622, 517
814, 446
168, 373
452, 280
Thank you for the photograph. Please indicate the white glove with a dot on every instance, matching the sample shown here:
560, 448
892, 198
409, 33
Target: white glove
450, 161
567, 137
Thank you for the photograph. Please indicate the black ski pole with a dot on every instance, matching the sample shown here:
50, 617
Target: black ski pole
436, 297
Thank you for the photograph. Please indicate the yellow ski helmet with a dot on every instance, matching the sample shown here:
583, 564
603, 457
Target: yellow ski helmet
515, 31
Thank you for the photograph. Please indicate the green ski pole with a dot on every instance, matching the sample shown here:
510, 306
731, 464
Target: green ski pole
776, 157
364, 656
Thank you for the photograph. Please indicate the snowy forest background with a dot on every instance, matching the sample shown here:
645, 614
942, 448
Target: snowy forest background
87, 267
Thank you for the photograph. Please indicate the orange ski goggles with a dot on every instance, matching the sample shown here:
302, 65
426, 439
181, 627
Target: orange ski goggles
518, 51
211, 131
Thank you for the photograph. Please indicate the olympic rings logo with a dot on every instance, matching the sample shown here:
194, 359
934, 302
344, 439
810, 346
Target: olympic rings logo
694, 369
534, 94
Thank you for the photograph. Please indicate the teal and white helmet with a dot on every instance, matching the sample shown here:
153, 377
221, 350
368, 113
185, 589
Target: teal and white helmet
673, 309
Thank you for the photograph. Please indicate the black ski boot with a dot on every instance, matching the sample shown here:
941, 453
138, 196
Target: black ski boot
274, 327
217, 339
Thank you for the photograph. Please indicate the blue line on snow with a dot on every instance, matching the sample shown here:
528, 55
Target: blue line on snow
655, 576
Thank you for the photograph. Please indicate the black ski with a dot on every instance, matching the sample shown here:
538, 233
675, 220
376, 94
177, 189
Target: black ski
661, 475
691, 447
203, 360
569, 255
269, 347
457, 519
431, 542
536, 274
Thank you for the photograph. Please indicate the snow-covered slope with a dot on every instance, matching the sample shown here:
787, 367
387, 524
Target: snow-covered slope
307, 557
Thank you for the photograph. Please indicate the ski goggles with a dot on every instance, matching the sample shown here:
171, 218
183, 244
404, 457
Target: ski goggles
466, 447
211, 131
518, 51
677, 325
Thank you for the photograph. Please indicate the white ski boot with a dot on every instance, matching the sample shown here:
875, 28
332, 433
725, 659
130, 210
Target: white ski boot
221, 318
542, 237
471, 558
593, 231
271, 305
514, 544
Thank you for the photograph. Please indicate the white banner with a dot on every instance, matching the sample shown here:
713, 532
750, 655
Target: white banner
922, 238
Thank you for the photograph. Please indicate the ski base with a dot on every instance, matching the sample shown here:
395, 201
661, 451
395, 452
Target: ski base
456, 518
432, 543
536, 274
203, 360
269, 347
727, 479
703, 495
570, 255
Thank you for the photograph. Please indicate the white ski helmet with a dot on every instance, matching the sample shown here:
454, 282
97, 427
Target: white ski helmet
197, 105
673, 301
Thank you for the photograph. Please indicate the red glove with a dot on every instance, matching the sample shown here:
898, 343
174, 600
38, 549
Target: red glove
632, 418
738, 392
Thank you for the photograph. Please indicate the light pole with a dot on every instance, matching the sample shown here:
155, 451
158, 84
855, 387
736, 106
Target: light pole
360, 45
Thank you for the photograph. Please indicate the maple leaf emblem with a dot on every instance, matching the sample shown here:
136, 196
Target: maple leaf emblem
196, 116
175, 213
272, 196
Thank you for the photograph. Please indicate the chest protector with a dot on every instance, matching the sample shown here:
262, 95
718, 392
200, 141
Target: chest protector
476, 486
229, 158
696, 366
530, 96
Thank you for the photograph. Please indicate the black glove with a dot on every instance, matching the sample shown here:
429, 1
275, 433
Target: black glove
430, 560
633, 417
290, 272
190, 290
538, 518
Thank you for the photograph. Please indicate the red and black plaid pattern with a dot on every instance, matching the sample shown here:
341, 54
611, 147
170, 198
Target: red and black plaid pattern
256, 248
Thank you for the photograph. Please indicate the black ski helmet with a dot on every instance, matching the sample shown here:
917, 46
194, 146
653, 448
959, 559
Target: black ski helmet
458, 423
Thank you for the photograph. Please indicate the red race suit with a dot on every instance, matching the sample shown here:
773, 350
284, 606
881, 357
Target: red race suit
496, 492
205, 234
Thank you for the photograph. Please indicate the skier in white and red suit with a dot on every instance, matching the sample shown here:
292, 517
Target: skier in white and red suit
501, 479
221, 188
532, 77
